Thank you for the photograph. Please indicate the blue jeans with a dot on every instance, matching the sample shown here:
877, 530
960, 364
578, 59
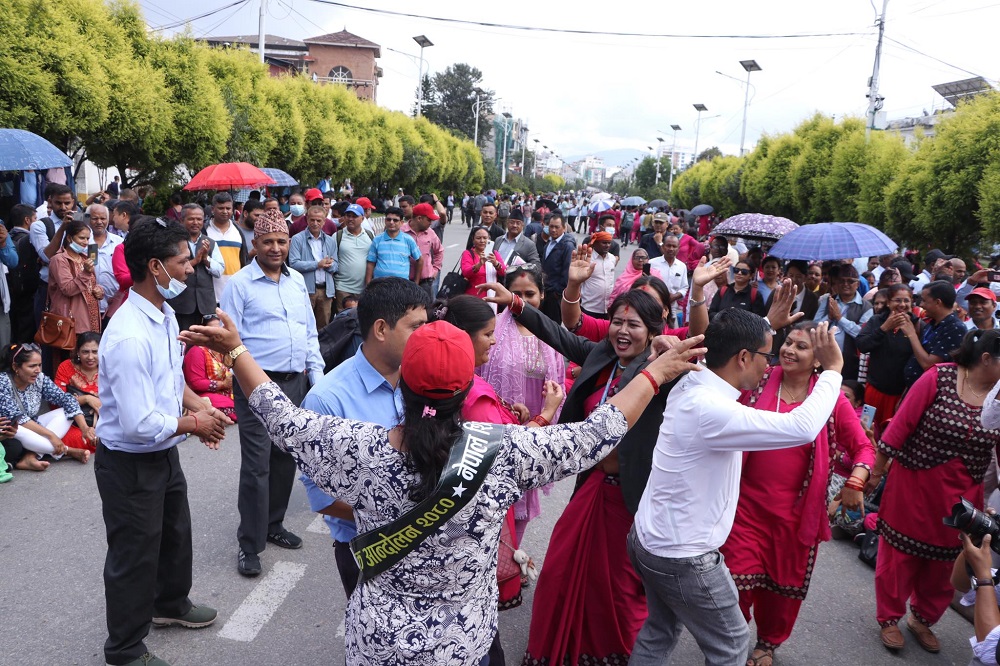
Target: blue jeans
697, 592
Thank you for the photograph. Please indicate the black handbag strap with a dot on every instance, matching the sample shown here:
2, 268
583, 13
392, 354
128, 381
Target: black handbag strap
469, 462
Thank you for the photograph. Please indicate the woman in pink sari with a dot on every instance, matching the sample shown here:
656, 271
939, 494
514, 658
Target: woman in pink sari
633, 271
518, 368
781, 517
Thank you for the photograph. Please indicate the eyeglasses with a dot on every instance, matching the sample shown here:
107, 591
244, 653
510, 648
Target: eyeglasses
768, 355
392, 219
742, 271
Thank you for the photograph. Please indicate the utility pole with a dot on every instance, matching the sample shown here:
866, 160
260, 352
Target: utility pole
424, 43
874, 101
506, 132
260, 30
675, 128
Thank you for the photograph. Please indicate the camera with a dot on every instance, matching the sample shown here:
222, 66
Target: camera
975, 523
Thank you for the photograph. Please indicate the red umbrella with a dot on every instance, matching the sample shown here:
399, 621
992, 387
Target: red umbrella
229, 176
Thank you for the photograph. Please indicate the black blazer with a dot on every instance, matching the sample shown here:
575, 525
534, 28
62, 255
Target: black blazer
200, 293
556, 265
635, 452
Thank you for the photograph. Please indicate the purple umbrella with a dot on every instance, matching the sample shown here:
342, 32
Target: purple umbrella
833, 240
755, 226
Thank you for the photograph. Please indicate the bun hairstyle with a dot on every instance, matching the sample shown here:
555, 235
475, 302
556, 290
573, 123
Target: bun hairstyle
974, 345
469, 313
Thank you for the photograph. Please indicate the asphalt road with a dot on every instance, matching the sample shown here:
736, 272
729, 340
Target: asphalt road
52, 593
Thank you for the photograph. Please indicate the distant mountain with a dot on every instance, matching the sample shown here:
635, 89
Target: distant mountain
617, 157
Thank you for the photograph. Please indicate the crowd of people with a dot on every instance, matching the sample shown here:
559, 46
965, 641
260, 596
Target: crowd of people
412, 398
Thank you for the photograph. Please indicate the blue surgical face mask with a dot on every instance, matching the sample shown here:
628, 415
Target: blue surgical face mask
172, 290
79, 249
297, 210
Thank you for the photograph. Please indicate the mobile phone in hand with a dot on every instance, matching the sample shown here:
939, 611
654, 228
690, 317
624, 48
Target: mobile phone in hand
646, 268
867, 416
993, 276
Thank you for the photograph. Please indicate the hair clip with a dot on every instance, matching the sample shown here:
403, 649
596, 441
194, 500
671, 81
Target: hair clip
429, 412
440, 312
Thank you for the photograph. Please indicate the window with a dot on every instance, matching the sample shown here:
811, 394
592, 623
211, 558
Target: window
341, 73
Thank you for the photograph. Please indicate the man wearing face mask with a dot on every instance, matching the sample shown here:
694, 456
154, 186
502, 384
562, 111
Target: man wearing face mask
297, 211
147, 573
263, 297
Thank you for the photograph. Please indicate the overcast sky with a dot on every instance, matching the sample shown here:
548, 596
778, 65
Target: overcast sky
587, 93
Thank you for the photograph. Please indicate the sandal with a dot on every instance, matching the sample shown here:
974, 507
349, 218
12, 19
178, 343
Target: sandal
765, 658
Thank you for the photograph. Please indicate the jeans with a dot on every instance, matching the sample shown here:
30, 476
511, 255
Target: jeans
697, 592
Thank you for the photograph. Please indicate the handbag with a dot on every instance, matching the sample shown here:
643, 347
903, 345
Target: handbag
869, 548
56, 330
507, 568
453, 284
88, 411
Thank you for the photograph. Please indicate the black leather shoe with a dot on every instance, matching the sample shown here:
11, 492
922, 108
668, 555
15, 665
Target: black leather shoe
285, 539
248, 564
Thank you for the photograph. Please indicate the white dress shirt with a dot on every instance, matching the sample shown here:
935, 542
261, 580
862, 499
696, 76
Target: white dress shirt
140, 378
675, 276
316, 248
595, 292
40, 240
105, 274
689, 503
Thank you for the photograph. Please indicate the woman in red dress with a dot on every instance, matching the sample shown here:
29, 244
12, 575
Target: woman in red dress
205, 373
940, 452
781, 517
78, 377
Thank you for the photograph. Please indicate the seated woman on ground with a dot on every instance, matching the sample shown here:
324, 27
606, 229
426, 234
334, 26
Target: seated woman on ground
78, 377
205, 373
22, 389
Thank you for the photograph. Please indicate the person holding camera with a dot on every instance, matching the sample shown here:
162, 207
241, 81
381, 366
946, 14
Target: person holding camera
941, 452
973, 575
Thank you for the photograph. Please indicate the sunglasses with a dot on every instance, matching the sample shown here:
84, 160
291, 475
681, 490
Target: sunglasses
742, 271
26, 347
391, 219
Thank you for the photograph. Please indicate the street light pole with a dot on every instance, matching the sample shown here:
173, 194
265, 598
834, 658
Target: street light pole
475, 109
675, 128
749, 66
660, 139
534, 170
260, 36
524, 140
423, 42
506, 131
697, 128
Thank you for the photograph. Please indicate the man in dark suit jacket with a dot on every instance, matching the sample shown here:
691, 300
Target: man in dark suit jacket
556, 257
513, 243
806, 301
198, 299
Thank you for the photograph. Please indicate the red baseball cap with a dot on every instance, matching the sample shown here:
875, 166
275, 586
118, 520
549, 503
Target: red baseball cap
312, 194
364, 202
983, 292
438, 361
426, 210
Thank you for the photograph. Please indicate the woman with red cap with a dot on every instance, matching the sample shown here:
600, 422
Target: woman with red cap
436, 603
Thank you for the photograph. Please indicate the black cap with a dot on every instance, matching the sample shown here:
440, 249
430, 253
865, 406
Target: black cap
905, 269
936, 254
516, 214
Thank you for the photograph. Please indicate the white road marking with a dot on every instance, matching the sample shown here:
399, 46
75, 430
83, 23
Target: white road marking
339, 633
453, 245
262, 602
318, 525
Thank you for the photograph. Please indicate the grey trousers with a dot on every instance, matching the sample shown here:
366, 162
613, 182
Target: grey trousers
266, 472
697, 592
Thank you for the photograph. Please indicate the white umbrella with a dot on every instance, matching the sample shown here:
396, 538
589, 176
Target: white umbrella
600, 196
600, 206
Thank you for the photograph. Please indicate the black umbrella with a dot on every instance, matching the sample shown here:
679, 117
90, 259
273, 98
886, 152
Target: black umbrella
658, 203
702, 209
548, 203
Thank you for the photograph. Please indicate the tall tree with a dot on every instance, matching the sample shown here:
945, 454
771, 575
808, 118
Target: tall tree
709, 154
454, 95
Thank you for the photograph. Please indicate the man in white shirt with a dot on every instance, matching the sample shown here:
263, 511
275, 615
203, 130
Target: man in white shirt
688, 507
926, 276
673, 271
99, 218
595, 292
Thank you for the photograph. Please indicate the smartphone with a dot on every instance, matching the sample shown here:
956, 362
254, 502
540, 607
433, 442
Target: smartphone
867, 416
993, 276
489, 248
92, 252
645, 269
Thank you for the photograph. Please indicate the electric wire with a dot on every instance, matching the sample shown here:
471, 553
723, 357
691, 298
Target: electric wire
177, 24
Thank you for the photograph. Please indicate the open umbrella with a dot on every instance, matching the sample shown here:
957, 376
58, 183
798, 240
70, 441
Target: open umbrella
280, 178
21, 150
658, 203
600, 196
702, 209
546, 203
229, 176
600, 206
633, 201
755, 226
833, 240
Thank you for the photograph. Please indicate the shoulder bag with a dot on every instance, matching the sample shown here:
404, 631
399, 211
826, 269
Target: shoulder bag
453, 284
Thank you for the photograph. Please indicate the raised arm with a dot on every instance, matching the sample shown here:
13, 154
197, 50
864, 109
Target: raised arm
580, 270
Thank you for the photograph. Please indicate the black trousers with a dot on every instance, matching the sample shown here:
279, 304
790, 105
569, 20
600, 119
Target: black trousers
266, 472
148, 566
347, 566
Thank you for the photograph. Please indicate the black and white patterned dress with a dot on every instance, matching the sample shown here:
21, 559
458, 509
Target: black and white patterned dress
439, 605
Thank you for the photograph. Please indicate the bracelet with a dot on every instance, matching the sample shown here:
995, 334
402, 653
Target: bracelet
648, 375
195, 417
695, 304
566, 300
854, 484
516, 305
541, 421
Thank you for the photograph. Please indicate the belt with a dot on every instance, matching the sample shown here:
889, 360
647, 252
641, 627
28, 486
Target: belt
282, 376
151, 455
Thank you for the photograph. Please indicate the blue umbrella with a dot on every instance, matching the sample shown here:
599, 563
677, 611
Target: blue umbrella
633, 201
600, 206
21, 150
281, 179
833, 240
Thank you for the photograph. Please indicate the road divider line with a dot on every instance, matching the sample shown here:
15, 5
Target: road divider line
452, 245
262, 602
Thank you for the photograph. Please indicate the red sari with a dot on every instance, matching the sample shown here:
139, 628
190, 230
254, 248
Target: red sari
781, 516
589, 602
67, 374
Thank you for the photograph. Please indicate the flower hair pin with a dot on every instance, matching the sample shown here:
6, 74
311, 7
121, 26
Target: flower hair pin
429, 412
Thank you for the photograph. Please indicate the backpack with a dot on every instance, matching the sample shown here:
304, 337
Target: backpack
23, 279
627, 220
503, 210
340, 236
340, 339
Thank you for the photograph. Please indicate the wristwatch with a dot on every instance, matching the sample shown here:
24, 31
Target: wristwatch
981, 582
230, 358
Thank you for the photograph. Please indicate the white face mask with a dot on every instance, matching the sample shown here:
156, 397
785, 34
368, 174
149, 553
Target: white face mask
297, 210
172, 290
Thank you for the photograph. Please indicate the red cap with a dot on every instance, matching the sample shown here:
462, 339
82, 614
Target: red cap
426, 210
312, 194
983, 292
364, 202
438, 361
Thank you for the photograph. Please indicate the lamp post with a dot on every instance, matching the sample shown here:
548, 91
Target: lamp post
697, 128
673, 150
524, 140
660, 139
506, 131
534, 170
475, 109
749, 66
423, 42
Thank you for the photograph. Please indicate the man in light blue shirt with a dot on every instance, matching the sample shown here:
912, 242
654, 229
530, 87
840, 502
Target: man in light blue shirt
366, 388
270, 308
391, 251
147, 574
